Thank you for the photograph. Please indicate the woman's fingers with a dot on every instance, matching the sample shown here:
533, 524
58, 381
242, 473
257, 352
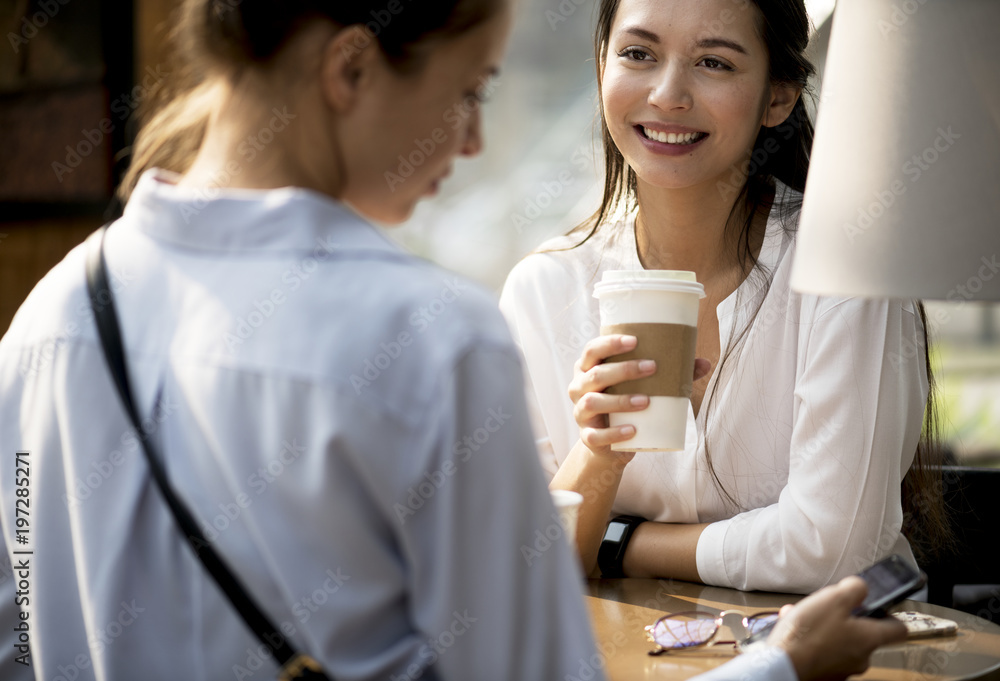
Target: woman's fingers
594, 374
602, 347
702, 367
599, 378
597, 438
595, 404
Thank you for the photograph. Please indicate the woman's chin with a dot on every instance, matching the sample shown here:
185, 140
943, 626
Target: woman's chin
386, 213
668, 181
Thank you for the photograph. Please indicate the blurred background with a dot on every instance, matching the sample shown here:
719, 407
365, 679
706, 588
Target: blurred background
73, 74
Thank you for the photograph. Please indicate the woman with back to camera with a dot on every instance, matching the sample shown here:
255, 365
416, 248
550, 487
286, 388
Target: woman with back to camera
801, 433
315, 431
312, 428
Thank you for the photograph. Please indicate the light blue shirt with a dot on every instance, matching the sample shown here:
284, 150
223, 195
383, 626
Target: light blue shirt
346, 421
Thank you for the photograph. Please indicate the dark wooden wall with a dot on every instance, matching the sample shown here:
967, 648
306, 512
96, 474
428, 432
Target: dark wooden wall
72, 74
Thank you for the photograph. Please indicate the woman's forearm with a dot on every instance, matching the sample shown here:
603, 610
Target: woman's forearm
597, 478
654, 550
664, 550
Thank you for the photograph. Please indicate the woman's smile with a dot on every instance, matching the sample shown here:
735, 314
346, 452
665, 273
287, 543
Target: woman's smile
670, 140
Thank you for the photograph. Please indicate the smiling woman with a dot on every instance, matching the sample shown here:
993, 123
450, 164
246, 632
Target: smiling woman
800, 432
649, 81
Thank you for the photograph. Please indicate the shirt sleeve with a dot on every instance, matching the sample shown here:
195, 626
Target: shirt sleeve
496, 588
765, 664
859, 397
517, 303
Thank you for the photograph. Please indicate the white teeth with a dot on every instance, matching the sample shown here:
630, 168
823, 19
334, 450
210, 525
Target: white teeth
670, 137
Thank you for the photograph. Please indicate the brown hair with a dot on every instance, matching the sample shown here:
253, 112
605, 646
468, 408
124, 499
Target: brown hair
779, 153
232, 37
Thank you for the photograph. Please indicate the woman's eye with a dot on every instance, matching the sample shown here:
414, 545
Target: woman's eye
483, 93
634, 54
715, 64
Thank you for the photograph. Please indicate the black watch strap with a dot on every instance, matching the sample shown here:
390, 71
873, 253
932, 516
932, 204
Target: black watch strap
611, 555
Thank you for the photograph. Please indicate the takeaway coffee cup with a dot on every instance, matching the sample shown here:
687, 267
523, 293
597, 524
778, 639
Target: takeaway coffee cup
659, 308
568, 505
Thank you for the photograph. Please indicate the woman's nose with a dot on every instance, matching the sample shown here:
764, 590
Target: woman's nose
671, 90
473, 142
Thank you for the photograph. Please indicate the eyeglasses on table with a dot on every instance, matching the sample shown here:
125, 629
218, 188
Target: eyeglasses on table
694, 628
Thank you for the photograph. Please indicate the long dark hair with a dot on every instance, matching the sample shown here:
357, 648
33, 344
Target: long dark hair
232, 37
780, 154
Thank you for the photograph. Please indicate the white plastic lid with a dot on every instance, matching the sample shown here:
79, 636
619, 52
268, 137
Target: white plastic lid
645, 275
681, 281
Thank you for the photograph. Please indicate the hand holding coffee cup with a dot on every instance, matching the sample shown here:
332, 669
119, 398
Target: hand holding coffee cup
649, 323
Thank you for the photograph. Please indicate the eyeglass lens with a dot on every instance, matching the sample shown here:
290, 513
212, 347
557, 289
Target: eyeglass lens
675, 633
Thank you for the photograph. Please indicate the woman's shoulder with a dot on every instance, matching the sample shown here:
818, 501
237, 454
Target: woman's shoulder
573, 258
419, 296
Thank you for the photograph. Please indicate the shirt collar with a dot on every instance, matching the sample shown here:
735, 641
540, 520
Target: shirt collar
283, 220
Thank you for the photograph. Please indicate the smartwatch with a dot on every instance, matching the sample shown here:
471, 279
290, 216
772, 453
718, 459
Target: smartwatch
611, 555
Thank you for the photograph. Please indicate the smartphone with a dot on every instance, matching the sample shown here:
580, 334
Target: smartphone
889, 582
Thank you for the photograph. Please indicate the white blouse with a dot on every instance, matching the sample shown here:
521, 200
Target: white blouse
812, 427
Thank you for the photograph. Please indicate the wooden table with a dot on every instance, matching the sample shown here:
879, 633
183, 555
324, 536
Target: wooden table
620, 608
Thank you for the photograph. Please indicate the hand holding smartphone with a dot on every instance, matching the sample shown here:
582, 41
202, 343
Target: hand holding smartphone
889, 582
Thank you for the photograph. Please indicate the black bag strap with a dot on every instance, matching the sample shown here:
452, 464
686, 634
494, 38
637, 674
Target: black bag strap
294, 665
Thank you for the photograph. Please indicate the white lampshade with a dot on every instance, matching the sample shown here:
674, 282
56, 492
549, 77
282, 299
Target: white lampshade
903, 194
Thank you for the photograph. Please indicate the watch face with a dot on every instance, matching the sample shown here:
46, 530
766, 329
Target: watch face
615, 531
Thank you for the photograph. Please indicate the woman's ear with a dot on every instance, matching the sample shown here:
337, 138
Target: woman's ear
783, 99
347, 61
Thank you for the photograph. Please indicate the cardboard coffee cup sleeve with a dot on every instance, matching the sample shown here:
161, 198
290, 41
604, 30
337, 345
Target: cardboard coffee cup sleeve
672, 346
